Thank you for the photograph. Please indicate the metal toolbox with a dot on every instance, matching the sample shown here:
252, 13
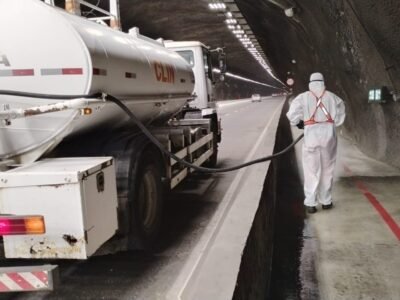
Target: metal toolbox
76, 196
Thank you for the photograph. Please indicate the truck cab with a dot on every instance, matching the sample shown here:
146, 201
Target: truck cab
203, 106
199, 57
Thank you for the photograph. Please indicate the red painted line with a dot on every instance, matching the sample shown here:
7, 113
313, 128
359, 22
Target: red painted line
384, 214
361, 186
20, 281
42, 276
23, 72
390, 222
3, 287
72, 71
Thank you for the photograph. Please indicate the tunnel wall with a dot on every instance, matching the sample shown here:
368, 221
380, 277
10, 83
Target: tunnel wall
354, 43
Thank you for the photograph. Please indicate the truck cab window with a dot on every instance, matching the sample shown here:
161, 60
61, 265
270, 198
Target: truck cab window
188, 56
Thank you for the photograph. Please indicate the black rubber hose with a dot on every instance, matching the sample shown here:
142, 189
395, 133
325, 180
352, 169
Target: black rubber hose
148, 133
48, 96
184, 162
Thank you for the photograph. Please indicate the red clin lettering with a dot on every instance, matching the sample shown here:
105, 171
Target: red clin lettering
164, 73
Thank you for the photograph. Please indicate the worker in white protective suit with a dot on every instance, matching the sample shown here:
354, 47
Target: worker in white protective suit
318, 112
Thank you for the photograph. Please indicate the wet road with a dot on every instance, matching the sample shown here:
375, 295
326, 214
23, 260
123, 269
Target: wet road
136, 275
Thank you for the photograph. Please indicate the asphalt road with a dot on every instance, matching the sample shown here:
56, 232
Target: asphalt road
136, 275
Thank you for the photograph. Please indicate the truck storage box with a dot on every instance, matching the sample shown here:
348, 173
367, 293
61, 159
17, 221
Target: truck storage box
76, 196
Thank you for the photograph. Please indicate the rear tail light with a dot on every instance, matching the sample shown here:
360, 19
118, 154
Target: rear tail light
14, 225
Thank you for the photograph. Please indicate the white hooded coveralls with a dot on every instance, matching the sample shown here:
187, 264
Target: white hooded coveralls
320, 141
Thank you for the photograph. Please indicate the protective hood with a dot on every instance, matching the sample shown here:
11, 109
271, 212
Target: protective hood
317, 84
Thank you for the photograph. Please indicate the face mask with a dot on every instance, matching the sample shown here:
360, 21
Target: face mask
317, 87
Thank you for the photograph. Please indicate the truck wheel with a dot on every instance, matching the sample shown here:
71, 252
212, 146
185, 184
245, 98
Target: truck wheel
147, 202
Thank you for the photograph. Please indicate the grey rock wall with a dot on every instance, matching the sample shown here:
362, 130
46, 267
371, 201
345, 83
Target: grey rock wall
355, 43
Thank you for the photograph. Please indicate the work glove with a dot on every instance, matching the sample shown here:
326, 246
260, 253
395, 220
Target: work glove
300, 125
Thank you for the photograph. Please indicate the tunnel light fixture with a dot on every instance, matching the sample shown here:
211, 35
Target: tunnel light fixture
238, 31
289, 12
228, 15
242, 31
231, 21
217, 6
229, 74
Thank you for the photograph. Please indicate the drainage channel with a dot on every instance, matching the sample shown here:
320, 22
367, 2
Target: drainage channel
285, 282
293, 273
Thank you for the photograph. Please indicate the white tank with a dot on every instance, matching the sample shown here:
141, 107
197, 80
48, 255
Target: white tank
46, 50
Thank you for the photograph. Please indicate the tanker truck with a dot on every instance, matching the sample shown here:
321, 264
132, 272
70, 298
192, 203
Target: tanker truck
77, 177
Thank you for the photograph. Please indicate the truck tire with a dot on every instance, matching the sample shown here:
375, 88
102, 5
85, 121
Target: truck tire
146, 198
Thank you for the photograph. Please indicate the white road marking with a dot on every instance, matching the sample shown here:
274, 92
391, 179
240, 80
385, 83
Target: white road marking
221, 104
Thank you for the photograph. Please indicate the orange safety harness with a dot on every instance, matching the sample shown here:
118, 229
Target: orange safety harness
320, 105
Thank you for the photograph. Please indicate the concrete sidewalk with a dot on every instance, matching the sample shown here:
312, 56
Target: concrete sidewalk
356, 245
212, 269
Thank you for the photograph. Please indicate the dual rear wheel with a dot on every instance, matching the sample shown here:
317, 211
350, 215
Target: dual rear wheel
147, 201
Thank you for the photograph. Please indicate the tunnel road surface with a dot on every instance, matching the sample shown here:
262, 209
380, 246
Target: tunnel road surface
189, 209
